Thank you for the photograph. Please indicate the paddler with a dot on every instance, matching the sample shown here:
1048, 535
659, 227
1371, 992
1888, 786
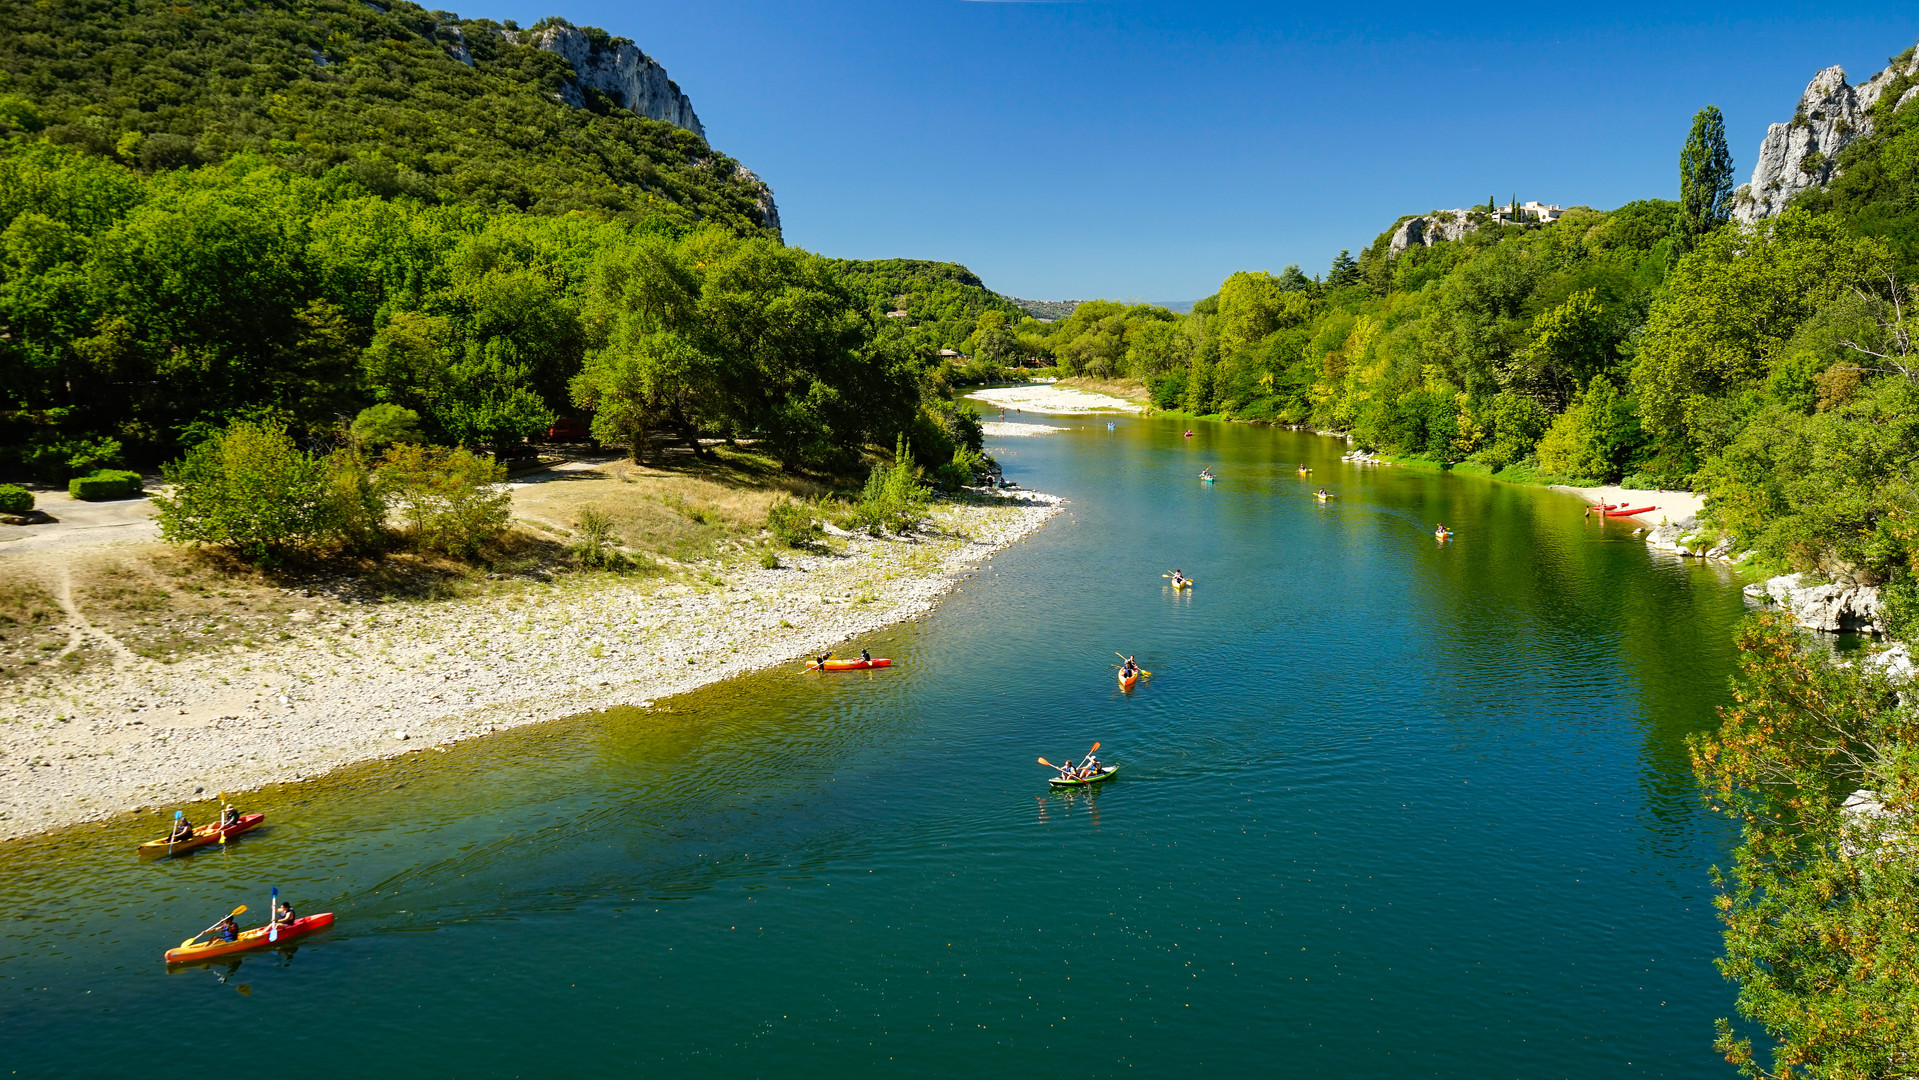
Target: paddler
866, 656
1129, 669
228, 929
1179, 578
182, 830
820, 660
283, 914
1189, 433
1089, 767
229, 816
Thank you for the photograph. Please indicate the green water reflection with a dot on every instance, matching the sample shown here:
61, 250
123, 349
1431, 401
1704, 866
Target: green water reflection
1387, 806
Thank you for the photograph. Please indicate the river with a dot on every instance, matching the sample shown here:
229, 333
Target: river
1386, 807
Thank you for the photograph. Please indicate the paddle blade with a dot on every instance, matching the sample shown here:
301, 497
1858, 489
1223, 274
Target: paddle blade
1095, 747
273, 916
1047, 763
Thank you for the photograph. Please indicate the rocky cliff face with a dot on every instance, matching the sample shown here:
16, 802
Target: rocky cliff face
1429, 229
1804, 153
617, 68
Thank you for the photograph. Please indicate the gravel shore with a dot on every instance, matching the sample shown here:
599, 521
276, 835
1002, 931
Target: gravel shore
378, 680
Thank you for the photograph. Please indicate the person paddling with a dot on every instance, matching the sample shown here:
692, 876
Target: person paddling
1089, 767
283, 913
866, 656
229, 929
820, 661
1130, 668
182, 830
1189, 433
229, 816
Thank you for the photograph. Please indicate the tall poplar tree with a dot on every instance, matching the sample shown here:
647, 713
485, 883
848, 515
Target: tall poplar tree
1705, 181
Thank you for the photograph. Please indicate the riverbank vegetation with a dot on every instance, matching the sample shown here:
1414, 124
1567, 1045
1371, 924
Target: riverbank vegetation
1816, 760
1656, 345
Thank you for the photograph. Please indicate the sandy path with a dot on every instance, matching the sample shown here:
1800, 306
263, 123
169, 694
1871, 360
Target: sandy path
387, 678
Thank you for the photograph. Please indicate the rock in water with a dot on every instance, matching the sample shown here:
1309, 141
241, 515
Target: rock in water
1831, 608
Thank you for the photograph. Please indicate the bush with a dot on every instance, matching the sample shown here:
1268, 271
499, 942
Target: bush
1899, 605
596, 546
894, 499
792, 524
966, 468
60, 460
105, 484
15, 499
356, 502
380, 426
249, 489
449, 499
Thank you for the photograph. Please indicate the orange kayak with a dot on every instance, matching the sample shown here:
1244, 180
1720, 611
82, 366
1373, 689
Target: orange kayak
1126, 681
848, 665
255, 938
202, 836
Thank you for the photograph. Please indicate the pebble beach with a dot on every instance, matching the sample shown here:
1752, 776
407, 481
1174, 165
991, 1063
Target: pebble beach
377, 680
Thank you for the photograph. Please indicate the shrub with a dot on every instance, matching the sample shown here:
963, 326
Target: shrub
60, 460
449, 500
966, 468
770, 559
596, 544
356, 501
249, 489
15, 499
105, 484
894, 499
380, 426
792, 524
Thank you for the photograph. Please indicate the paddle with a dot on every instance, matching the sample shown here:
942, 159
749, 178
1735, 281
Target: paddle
1122, 656
273, 916
241, 910
177, 815
223, 818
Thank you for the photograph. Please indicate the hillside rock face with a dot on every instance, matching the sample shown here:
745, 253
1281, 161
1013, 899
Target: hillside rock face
1426, 230
1804, 154
618, 69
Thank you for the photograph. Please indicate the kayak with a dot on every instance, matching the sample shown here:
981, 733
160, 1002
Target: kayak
1187, 584
1321, 498
1126, 681
202, 836
1209, 479
1105, 773
848, 665
1627, 513
255, 938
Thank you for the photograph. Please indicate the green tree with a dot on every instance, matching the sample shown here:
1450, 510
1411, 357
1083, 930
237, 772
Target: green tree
248, 489
1594, 438
1705, 181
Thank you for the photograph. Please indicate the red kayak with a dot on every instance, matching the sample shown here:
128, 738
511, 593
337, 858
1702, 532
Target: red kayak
848, 665
1627, 513
255, 938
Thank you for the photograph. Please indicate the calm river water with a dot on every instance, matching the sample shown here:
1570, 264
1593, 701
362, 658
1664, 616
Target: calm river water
1386, 808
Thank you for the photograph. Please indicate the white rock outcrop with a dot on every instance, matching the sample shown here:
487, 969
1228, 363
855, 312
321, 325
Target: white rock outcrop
1894, 663
1832, 608
1428, 229
617, 68
1803, 154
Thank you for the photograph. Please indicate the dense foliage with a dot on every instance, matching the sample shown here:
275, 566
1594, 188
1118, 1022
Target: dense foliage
141, 313
376, 91
1822, 904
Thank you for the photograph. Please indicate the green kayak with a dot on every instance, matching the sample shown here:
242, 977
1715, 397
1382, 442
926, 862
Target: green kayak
1104, 774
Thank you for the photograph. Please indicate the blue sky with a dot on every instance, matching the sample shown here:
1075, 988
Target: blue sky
1145, 151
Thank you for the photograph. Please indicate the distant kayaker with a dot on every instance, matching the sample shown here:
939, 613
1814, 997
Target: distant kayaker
1189, 433
1089, 767
820, 661
229, 930
1130, 668
182, 830
229, 816
283, 913
866, 656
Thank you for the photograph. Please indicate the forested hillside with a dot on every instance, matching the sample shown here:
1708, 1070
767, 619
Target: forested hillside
343, 84
1765, 366
293, 213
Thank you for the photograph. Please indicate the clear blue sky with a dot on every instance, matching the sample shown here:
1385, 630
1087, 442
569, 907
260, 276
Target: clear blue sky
1133, 150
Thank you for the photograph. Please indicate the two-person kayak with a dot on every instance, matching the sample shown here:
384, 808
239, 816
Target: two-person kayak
1105, 773
256, 938
848, 665
202, 836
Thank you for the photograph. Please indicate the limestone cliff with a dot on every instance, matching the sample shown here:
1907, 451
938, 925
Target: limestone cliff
1425, 230
617, 68
1804, 154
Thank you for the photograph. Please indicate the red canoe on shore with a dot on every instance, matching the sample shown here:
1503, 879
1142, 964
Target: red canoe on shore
1627, 513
